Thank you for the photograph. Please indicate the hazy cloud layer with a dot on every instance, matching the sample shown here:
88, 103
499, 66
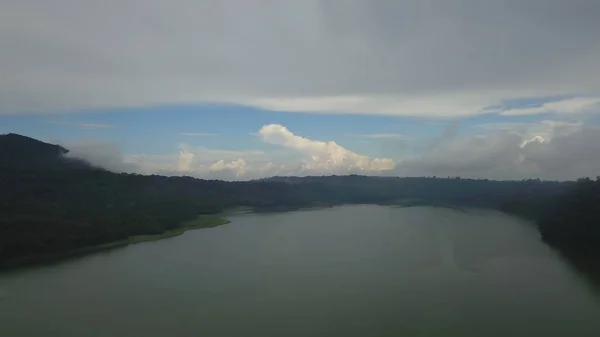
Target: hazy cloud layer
101, 154
567, 106
299, 156
399, 57
548, 150
83, 125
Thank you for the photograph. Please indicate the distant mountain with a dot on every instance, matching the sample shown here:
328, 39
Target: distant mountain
22, 152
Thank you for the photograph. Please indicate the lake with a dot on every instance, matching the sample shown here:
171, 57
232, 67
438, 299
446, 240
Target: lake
345, 271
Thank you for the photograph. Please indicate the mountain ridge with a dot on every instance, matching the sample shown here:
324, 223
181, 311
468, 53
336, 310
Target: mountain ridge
23, 152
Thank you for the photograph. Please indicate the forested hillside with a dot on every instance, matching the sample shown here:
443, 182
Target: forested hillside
574, 222
51, 205
21, 152
526, 197
54, 211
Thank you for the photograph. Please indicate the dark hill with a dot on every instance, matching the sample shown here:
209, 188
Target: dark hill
22, 152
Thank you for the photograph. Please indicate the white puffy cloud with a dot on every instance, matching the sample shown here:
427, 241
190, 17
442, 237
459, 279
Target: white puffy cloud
237, 166
322, 156
186, 159
395, 57
200, 161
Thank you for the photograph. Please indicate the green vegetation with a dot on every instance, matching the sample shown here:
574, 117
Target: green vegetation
413, 202
241, 209
573, 221
203, 221
405, 202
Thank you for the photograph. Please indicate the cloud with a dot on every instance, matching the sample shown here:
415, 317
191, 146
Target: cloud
83, 126
488, 156
544, 129
297, 156
210, 154
554, 150
206, 163
197, 134
201, 160
550, 149
323, 156
568, 156
392, 57
566, 106
450, 132
101, 154
186, 159
237, 167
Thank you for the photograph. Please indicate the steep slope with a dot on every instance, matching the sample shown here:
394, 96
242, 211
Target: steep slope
21, 152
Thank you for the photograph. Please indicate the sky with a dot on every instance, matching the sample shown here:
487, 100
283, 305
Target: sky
244, 89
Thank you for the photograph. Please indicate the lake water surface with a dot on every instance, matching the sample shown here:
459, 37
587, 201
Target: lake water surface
345, 271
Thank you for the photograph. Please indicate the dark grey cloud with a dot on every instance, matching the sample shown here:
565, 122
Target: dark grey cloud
410, 57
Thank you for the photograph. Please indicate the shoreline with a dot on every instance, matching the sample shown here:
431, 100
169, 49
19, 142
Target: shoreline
202, 222
279, 209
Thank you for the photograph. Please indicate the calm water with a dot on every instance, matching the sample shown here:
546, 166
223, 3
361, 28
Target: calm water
346, 271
